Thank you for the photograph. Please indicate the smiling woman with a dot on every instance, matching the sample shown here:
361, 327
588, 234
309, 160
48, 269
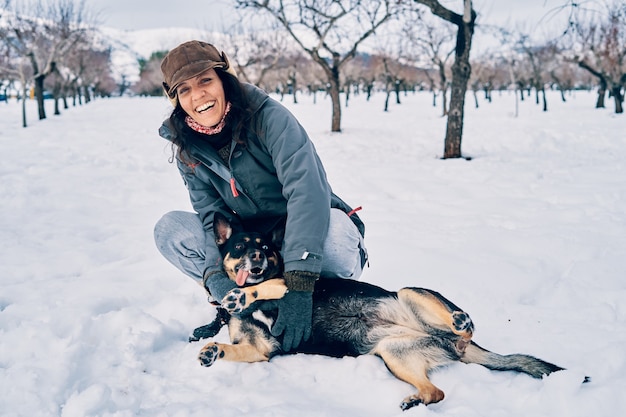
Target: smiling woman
245, 156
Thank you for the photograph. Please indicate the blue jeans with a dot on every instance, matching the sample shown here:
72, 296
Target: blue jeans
180, 238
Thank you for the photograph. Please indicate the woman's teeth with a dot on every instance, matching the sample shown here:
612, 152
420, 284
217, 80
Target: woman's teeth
204, 107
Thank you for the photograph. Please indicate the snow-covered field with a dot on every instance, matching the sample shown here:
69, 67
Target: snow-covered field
529, 237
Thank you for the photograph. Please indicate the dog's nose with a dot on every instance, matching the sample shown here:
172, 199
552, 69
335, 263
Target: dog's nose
257, 256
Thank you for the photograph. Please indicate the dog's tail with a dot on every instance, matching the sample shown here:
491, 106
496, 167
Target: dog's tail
527, 364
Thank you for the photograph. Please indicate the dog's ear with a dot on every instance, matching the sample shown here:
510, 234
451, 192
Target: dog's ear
221, 228
278, 235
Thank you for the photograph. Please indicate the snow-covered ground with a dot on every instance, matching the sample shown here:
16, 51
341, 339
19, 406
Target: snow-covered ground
529, 237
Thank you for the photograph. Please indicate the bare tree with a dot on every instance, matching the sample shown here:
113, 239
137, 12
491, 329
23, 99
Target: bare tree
312, 77
329, 31
542, 59
257, 53
429, 37
461, 70
483, 77
603, 52
16, 68
42, 34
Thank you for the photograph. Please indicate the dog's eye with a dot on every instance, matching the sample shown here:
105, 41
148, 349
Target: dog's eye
265, 247
240, 246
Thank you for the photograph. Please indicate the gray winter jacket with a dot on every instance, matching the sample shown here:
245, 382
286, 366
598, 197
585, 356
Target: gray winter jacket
276, 177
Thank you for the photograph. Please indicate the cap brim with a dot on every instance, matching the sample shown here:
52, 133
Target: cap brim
192, 70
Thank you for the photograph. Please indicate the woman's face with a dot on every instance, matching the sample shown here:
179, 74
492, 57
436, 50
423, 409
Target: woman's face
202, 98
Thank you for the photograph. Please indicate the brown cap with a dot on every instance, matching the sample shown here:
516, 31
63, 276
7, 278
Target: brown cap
188, 60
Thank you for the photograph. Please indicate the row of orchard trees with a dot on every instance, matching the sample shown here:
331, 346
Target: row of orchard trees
329, 34
361, 45
320, 45
52, 46
590, 51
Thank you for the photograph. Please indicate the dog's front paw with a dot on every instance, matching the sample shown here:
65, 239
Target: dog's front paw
209, 354
235, 301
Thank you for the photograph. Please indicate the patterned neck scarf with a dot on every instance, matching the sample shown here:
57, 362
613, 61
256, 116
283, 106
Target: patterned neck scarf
208, 130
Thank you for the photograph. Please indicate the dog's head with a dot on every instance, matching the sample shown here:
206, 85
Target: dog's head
249, 258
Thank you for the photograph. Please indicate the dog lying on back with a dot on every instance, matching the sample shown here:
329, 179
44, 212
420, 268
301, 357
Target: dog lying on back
413, 330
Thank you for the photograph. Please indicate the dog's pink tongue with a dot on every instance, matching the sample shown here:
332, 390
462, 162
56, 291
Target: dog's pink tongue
241, 278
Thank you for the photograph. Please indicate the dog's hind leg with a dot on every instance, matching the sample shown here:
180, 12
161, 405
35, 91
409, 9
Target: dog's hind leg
437, 311
408, 359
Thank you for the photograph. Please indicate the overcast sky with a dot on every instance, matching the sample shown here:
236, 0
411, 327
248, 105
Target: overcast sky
215, 14
150, 14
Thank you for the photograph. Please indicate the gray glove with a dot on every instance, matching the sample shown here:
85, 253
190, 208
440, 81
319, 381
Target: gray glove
295, 309
218, 285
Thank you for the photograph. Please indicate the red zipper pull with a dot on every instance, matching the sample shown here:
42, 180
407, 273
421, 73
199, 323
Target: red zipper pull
351, 212
233, 188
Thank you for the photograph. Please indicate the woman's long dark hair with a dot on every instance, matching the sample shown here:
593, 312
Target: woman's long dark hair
237, 119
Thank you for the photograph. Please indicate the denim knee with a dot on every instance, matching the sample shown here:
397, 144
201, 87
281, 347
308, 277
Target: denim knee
179, 236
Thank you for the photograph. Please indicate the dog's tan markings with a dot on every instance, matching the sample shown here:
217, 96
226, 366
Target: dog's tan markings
239, 299
236, 353
438, 311
230, 264
410, 366
273, 259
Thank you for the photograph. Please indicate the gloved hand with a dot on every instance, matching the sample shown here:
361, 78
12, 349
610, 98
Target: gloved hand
295, 309
218, 284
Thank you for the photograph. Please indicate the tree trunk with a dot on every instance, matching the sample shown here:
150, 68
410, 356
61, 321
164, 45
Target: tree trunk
387, 100
39, 96
601, 94
618, 98
56, 92
333, 78
537, 89
444, 89
24, 97
397, 90
292, 79
334, 97
461, 71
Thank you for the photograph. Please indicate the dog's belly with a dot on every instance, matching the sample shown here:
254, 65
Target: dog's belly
344, 311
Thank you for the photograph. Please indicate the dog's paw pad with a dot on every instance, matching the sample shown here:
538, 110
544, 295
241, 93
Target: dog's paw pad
209, 354
234, 301
462, 322
410, 402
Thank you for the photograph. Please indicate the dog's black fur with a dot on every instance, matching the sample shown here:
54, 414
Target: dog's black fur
413, 330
